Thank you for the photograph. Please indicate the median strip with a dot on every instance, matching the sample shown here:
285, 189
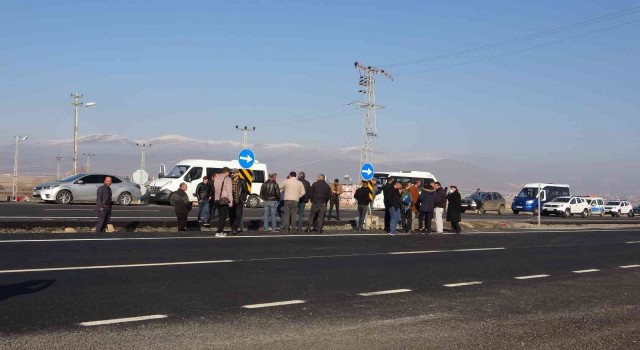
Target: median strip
103, 267
384, 292
531, 277
463, 284
278, 303
122, 320
586, 271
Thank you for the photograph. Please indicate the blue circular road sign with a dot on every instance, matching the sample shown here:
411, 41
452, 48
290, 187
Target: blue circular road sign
366, 171
246, 158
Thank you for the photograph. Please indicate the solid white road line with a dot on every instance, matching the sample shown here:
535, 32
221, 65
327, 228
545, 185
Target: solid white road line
127, 210
384, 292
451, 285
278, 303
633, 242
122, 320
102, 267
531, 277
629, 266
447, 251
586, 271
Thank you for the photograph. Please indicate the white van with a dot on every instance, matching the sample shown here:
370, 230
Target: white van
191, 172
400, 176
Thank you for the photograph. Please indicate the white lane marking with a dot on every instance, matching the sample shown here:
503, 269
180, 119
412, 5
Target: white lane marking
447, 251
531, 277
102, 267
278, 303
629, 266
122, 320
127, 210
384, 292
586, 271
63, 218
633, 242
452, 285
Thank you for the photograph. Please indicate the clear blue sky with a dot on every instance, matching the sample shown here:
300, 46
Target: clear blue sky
199, 68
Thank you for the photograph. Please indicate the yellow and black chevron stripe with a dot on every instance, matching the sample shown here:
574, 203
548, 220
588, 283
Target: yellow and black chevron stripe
247, 176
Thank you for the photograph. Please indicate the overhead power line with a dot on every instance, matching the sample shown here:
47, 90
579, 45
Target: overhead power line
522, 50
588, 22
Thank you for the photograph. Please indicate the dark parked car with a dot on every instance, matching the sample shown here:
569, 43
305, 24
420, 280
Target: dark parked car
468, 204
636, 210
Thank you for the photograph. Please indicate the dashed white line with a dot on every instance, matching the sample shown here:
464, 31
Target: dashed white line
530, 277
447, 251
102, 267
629, 266
586, 271
452, 285
384, 292
633, 242
123, 320
278, 303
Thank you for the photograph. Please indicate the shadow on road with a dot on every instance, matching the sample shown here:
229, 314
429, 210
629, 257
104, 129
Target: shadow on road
27, 287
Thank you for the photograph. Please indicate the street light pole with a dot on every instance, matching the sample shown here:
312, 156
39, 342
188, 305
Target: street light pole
59, 159
77, 103
89, 155
245, 135
14, 189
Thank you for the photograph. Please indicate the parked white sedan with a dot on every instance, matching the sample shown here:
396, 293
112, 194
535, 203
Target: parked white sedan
567, 206
618, 208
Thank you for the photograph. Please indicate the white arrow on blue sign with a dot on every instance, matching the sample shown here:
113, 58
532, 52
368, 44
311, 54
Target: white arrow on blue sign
246, 158
367, 171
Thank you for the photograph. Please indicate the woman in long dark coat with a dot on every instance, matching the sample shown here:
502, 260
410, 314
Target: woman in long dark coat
454, 215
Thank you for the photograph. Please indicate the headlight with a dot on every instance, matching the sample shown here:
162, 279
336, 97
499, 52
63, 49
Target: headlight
50, 187
530, 202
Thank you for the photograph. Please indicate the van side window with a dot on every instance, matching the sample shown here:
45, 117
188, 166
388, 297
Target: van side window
213, 171
193, 174
258, 176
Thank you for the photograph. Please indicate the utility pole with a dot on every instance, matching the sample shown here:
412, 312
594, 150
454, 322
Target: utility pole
59, 159
77, 103
14, 189
367, 83
245, 132
143, 149
88, 155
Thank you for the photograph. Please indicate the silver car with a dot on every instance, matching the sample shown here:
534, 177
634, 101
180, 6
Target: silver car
83, 188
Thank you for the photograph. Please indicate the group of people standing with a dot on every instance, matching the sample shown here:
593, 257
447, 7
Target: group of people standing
412, 203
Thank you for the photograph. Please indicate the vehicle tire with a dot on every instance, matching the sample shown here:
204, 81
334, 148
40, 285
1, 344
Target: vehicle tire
602, 213
125, 198
482, 211
253, 201
630, 213
585, 213
516, 212
64, 197
567, 213
545, 213
535, 212
619, 213
501, 210
462, 211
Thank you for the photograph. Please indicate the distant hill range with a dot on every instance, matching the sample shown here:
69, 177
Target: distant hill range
120, 155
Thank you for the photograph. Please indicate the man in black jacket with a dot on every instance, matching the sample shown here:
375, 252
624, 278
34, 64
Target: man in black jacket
240, 194
203, 194
362, 197
387, 207
103, 201
319, 195
304, 200
270, 194
182, 205
441, 201
395, 201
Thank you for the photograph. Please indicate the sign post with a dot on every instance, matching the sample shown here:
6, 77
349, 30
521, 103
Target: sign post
366, 173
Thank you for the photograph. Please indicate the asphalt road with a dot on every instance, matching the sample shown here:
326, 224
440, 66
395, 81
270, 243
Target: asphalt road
33, 212
477, 291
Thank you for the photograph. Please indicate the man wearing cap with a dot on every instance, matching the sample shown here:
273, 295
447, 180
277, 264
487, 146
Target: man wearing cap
336, 191
239, 190
293, 191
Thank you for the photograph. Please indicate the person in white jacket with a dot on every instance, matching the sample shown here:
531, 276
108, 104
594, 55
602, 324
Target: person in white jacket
293, 191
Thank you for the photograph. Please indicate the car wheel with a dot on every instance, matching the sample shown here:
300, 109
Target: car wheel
125, 198
585, 213
64, 197
630, 213
545, 213
619, 214
602, 213
253, 201
567, 213
501, 210
516, 212
482, 211
462, 211
535, 212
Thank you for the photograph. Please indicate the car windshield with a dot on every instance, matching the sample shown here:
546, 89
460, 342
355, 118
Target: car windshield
72, 178
177, 172
613, 203
528, 192
561, 200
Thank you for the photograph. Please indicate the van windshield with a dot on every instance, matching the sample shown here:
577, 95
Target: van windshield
528, 192
177, 172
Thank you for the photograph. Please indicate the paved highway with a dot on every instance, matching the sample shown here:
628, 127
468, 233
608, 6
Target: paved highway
492, 291
31, 212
